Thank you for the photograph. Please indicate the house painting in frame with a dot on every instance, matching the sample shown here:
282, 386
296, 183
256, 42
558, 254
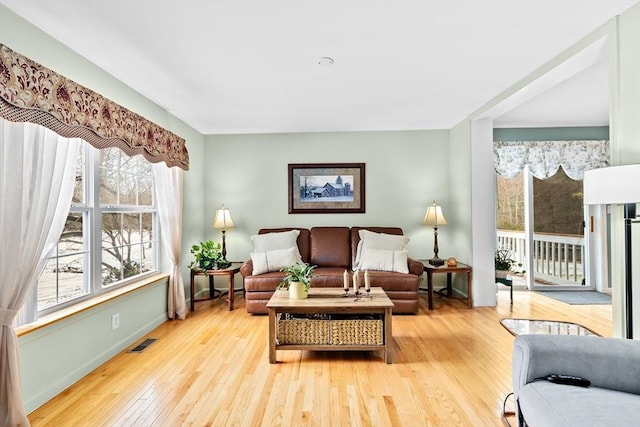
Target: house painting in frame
327, 188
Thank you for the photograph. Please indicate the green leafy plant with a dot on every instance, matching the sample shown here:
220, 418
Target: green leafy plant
208, 256
503, 261
299, 272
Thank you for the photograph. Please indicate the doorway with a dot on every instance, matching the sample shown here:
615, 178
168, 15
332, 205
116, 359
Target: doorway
541, 222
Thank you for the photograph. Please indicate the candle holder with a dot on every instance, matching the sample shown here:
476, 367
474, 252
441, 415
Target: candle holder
356, 287
367, 283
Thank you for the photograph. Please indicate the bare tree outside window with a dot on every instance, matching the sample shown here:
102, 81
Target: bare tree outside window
558, 205
63, 277
510, 203
126, 246
126, 233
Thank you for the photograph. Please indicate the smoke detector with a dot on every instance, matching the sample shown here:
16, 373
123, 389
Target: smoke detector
325, 61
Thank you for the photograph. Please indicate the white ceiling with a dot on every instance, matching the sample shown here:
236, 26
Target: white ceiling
582, 100
252, 66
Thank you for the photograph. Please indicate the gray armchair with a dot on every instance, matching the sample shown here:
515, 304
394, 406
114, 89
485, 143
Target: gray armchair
612, 366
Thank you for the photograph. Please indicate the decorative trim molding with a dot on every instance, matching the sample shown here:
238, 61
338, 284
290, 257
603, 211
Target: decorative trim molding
30, 92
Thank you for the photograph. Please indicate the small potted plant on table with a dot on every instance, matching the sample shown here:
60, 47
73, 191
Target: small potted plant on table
297, 279
504, 264
208, 256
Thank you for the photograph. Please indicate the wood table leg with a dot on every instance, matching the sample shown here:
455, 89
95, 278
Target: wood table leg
272, 335
469, 291
387, 335
430, 289
231, 292
193, 297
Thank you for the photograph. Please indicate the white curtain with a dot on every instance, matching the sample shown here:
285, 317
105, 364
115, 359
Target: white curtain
545, 157
37, 172
168, 184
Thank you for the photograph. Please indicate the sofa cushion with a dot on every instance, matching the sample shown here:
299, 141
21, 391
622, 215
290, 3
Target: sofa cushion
553, 405
374, 240
302, 241
328, 277
383, 260
330, 247
355, 237
264, 262
276, 240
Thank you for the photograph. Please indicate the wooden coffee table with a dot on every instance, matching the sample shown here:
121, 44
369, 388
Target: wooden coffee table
328, 321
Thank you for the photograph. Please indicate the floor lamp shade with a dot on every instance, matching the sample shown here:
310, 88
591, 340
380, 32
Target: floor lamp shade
223, 221
434, 218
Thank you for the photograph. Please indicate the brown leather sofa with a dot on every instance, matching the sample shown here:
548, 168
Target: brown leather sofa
333, 250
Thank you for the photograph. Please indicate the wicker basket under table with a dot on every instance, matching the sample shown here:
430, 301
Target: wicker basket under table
328, 321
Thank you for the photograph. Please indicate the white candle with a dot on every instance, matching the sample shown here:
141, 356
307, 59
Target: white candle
355, 281
345, 277
367, 282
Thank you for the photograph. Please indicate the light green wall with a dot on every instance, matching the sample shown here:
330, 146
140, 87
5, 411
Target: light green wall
460, 197
551, 134
54, 357
404, 172
460, 194
81, 343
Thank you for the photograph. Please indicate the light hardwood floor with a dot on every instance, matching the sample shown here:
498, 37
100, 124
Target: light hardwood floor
452, 367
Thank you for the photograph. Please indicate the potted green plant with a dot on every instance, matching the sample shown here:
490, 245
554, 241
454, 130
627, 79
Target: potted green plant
297, 279
504, 264
208, 256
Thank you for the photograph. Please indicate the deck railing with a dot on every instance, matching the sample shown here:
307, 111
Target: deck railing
557, 258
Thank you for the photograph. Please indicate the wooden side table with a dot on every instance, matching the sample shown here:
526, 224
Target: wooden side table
460, 268
229, 272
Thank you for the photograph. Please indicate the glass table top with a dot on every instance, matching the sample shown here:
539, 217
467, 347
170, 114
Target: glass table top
546, 327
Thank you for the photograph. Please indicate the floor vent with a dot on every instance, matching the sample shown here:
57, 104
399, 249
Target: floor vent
142, 346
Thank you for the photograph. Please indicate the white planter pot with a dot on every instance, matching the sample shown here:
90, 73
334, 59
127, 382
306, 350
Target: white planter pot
297, 291
502, 274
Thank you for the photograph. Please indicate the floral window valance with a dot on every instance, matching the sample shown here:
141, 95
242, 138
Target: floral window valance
545, 157
30, 92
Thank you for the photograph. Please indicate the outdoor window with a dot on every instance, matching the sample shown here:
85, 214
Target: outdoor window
109, 237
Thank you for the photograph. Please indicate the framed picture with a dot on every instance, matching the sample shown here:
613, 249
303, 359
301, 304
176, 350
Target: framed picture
326, 188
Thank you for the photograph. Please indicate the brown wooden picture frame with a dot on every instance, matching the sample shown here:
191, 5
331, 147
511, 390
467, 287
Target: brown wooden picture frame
326, 188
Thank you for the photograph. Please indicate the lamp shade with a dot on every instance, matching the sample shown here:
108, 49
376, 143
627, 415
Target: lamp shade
434, 216
223, 219
612, 185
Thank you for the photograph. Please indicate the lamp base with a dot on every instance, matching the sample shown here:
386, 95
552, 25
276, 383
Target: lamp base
436, 261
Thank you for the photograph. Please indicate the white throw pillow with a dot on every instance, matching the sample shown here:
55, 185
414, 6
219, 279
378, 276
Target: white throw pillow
369, 239
264, 262
384, 260
270, 241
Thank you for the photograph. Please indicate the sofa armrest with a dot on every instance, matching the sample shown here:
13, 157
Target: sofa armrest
609, 363
415, 266
246, 269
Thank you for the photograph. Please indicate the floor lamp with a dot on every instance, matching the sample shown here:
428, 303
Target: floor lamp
223, 221
435, 218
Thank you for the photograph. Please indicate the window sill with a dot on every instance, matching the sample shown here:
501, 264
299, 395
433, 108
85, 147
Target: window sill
59, 315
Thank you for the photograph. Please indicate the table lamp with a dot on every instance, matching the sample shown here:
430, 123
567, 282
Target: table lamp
223, 221
435, 218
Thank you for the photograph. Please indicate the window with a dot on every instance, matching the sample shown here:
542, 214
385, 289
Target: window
109, 236
127, 216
